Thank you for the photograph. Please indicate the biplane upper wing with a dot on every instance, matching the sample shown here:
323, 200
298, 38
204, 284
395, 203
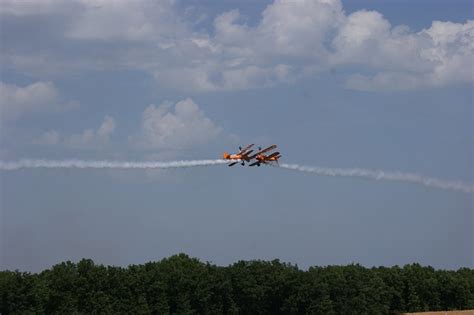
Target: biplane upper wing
244, 150
246, 154
264, 150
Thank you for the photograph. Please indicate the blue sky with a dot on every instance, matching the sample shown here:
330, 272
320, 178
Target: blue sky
370, 84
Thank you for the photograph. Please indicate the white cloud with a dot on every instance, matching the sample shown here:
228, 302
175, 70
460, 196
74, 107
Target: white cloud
293, 39
298, 28
177, 126
453, 51
169, 127
288, 29
290, 34
126, 20
277, 50
361, 31
36, 97
30, 7
107, 128
401, 59
93, 137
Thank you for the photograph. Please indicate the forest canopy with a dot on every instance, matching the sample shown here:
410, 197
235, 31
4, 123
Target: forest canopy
181, 284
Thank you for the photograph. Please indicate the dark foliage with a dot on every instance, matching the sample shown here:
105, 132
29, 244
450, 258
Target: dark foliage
184, 285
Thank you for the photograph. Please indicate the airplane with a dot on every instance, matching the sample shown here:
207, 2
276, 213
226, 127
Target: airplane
266, 159
241, 156
262, 158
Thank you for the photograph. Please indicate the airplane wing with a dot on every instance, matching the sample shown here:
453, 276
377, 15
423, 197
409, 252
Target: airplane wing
233, 163
247, 153
242, 151
263, 151
254, 163
273, 155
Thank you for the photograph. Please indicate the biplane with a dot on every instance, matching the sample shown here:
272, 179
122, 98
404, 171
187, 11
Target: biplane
262, 158
242, 156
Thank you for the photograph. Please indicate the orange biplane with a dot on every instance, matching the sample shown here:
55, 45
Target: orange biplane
241, 156
262, 158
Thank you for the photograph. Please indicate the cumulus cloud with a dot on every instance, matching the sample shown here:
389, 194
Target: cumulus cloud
289, 36
296, 28
401, 59
452, 51
91, 136
177, 126
36, 97
88, 137
293, 39
106, 128
170, 127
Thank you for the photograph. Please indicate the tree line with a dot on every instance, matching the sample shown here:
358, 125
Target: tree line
184, 285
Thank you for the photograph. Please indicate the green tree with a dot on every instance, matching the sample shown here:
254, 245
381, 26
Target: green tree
183, 285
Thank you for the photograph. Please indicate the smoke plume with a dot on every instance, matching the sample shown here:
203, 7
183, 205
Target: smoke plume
323, 171
16, 165
383, 175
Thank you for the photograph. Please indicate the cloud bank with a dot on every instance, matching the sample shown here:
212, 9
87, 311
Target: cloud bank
293, 39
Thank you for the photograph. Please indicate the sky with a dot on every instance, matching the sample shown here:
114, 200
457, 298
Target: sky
369, 84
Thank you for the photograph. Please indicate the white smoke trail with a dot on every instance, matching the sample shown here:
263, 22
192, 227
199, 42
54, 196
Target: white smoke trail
16, 165
323, 171
383, 175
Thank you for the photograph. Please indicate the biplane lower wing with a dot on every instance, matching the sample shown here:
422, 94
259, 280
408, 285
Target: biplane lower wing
272, 155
